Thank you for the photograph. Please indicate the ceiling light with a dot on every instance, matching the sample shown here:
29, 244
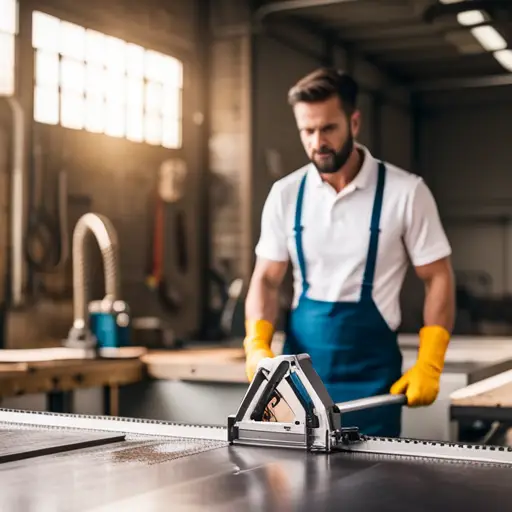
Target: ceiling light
504, 57
489, 38
469, 18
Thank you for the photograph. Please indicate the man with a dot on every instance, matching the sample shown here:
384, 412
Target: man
349, 225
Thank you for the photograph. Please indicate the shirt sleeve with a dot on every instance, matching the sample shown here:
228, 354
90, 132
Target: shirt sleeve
272, 242
424, 237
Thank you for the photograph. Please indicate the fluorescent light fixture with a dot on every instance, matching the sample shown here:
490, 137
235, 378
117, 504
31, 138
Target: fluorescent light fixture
469, 18
504, 57
489, 38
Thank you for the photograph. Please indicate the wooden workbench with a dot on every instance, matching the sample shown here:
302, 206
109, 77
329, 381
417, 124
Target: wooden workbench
489, 399
227, 364
214, 365
56, 378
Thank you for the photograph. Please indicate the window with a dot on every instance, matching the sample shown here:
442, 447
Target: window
8, 31
86, 80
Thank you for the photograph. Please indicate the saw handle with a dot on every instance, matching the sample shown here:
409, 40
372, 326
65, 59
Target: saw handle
370, 402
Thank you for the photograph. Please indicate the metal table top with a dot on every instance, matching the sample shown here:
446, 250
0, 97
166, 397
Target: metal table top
158, 474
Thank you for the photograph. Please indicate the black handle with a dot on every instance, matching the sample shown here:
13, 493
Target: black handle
268, 392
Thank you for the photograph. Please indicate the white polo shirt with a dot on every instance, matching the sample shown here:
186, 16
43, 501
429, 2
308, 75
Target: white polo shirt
336, 233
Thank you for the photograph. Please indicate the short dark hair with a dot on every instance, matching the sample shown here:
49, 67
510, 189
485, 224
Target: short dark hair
324, 83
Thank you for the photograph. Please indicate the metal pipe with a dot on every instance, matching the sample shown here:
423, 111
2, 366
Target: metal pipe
293, 5
18, 203
373, 401
106, 237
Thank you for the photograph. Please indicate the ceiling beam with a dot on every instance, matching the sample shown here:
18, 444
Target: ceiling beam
464, 83
288, 6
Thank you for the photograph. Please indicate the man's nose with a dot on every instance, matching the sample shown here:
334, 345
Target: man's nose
317, 140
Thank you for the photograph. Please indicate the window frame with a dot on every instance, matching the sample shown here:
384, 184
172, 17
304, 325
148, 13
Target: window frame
178, 117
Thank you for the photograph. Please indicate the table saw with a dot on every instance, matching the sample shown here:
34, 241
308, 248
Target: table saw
287, 447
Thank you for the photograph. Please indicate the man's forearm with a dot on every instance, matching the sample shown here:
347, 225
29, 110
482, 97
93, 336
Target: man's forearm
262, 300
439, 307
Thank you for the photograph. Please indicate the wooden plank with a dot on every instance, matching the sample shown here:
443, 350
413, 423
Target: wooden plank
26, 443
214, 365
12, 369
495, 391
66, 353
54, 376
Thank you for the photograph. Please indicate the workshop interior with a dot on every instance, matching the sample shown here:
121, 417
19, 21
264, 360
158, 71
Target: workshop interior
131, 199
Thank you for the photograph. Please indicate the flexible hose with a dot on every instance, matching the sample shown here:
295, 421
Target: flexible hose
106, 237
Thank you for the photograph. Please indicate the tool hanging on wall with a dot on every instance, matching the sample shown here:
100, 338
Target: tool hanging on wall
170, 190
47, 239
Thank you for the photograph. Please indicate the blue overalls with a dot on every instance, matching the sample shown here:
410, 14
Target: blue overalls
351, 346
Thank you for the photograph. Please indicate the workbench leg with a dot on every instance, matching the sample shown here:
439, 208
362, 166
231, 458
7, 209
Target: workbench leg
111, 400
59, 401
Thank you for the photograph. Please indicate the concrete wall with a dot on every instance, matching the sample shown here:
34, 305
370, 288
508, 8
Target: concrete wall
466, 158
117, 178
466, 152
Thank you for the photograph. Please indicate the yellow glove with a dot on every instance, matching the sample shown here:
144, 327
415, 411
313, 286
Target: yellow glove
257, 344
421, 383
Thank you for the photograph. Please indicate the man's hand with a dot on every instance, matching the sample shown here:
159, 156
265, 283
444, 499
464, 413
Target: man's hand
257, 344
420, 384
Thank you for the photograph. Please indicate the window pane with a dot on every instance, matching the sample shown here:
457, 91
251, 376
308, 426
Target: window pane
135, 60
47, 68
135, 124
7, 64
8, 16
135, 93
154, 97
95, 114
154, 68
46, 105
115, 55
115, 120
72, 75
94, 47
72, 111
172, 72
95, 84
153, 130
171, 107
171, 136
45, 32
72, 40
115, 88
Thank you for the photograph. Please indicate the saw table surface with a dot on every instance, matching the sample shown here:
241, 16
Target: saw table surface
17, 444
171, 473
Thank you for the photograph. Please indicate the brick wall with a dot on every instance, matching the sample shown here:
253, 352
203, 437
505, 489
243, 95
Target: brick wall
116, 177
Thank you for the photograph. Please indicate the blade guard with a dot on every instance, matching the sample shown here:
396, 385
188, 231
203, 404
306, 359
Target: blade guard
287, 404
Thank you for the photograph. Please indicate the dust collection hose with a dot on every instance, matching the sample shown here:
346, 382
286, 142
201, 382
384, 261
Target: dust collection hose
106, 237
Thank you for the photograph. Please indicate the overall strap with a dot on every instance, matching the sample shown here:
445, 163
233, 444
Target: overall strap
298, 235
371, 259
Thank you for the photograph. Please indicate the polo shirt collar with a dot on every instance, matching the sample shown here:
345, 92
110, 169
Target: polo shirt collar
363, 177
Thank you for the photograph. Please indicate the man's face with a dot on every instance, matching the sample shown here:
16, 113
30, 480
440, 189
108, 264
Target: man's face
326, 133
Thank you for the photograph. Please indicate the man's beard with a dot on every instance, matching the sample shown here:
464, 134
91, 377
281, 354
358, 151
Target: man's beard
336, 160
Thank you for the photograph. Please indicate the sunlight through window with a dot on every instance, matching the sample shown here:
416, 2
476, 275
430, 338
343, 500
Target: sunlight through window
99, 83
8, 31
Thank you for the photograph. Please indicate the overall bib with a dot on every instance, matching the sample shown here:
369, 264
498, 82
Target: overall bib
351, 346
